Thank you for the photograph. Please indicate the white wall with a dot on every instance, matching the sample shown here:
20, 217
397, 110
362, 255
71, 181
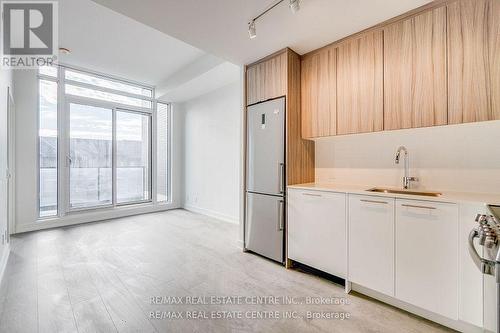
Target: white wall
212, 148
26, 100
455, 158
5, 83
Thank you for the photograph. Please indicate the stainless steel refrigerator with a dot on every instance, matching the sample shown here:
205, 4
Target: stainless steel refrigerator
265, 180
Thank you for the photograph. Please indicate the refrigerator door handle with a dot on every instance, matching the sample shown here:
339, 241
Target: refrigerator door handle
280, 215
281, 177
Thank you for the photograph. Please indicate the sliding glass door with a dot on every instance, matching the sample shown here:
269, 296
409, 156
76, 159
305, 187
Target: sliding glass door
90, 156
109, 156
133, 179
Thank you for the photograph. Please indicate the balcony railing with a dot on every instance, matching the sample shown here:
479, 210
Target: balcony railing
90, 187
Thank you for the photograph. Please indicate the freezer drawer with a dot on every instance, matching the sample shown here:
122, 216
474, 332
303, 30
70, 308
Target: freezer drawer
265, 222
265, 146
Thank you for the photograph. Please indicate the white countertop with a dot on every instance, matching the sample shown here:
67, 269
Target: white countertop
450, 197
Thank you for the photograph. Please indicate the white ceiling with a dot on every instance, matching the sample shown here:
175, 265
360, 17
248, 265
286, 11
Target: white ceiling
220, 26
212, 79
105, 41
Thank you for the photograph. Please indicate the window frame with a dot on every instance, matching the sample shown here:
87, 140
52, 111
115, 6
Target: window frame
168, 154
150, 160
63, 102
43, 77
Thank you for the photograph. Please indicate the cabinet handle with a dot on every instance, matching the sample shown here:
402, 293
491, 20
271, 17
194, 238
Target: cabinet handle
312, 195
416, 206
375, 201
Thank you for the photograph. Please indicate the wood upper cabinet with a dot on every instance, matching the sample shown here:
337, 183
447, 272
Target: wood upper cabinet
473, 61
267, 79
360, 92
319, 94
494, 57
415, 86
438, 66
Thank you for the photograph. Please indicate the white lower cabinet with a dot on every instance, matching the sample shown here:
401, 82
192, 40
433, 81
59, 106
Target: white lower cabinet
412, 250
317, 230
427, 255
371, 242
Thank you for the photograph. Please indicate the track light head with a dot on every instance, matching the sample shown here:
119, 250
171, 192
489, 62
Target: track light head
252, 32
294, 6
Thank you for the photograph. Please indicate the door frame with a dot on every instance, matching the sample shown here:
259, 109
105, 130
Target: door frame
150, 157
65, 180
11, 158
65, 157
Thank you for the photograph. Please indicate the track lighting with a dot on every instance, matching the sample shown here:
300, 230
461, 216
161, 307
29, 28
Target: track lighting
251, 30
294, 6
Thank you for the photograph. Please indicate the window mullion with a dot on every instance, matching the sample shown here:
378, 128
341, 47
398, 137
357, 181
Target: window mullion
113, 159
153, 155
63, 147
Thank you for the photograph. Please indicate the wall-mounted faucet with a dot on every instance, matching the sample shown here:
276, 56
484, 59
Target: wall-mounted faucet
406, 179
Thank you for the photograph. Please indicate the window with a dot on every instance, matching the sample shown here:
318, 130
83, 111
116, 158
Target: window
162, 158
132, 157
48, 148
48, 71
90, 146
99, 154
106, 96
71, 75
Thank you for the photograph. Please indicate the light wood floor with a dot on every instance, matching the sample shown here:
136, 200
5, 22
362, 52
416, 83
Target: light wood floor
100, 277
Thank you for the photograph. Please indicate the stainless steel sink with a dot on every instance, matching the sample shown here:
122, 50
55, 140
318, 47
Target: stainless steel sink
407, 192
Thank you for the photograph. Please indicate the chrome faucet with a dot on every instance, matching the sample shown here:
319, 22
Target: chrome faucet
406, 179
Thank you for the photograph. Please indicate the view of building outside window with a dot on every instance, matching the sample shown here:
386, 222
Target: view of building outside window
48, 148
162, 142
132, 157
90, 178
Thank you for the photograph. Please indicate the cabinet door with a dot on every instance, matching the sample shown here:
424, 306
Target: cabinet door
494, 57
319, 94
473, 65
360, 85
415, 91
252, 91
317, 230
371, 242
427, 255
267, 79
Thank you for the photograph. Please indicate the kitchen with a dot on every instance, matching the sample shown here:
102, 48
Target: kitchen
388, 153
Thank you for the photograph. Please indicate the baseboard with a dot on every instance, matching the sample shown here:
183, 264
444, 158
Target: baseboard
211, 213
454, 324
3, 261
96, 216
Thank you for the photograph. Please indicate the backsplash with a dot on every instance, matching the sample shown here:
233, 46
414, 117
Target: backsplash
463, 158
